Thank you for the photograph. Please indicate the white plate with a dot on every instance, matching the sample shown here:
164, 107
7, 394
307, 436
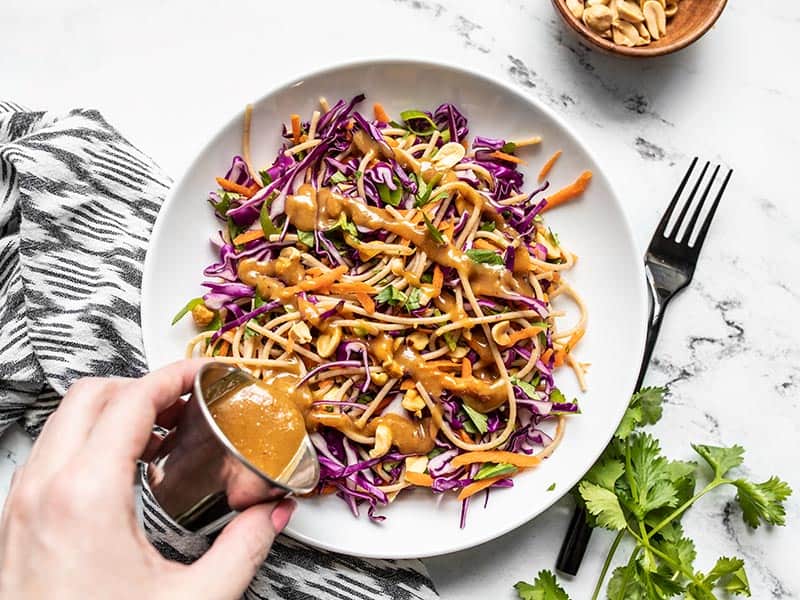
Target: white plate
609, 275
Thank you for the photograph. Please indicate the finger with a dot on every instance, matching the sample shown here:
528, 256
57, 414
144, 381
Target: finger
233, 560
123, 428
69, 426
153, 445
168, 418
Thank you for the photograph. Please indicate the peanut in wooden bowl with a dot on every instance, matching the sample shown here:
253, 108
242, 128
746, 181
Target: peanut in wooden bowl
693, 19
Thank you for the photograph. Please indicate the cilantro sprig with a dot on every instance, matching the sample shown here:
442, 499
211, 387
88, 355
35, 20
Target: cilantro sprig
634, 490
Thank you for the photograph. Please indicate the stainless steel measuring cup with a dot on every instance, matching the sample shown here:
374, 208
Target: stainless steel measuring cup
199, 477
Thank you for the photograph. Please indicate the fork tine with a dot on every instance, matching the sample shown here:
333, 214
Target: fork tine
701, 235
662, 225
685, 208
687, 234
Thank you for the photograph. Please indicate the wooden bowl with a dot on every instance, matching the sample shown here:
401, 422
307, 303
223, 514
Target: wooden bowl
693, 19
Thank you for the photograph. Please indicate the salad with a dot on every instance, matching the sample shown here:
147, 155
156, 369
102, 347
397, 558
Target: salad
395, 278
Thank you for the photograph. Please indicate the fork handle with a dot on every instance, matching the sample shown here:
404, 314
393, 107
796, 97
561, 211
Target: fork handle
579, 531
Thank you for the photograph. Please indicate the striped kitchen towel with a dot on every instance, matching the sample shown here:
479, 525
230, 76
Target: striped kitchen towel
77, 203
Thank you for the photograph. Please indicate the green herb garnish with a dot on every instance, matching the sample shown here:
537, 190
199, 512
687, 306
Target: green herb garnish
418, 115
435, 233
509, 148
388, 196
266, 178
391, 295
529, 388
492, 470
413, 300
487, 257
266, 222
305, 237
187, 307
635, 490
487, 226
338, 177
478, 419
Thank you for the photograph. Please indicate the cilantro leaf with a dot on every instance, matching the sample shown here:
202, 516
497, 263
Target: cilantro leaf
267, 226
337, 177
451, 339
306, 237
266, 178
435, 233
488, 257
644, 409
762, 501
605, 473
528, 388
418, 122
487, 226
729, 574
626, 583
478, 419
389, 196
187, 307
650, 473
719, 458
508, 147
391, 295
344, 225
413, 300
544, 587
494, 470
603, 504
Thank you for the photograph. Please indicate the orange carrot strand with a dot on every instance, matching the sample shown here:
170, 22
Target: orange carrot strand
548, 165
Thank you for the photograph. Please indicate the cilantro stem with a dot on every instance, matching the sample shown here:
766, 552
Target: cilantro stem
685, 506
607, 564
628, 569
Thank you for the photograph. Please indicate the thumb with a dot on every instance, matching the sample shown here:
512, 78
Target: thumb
230, 564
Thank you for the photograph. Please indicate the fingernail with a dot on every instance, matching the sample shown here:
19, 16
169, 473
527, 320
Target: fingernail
282, 514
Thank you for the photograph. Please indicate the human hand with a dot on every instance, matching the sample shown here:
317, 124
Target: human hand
69, 528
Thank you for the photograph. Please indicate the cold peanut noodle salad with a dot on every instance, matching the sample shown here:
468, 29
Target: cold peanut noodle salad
395, 279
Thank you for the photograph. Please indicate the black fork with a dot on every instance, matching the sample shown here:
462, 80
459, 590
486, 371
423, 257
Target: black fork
669, 262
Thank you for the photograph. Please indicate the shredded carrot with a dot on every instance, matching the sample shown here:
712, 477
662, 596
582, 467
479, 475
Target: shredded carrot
230, 186
407, 384
321, 282
484, 245
565, 194
496, 456
507, 157
383, 404
296, 129
314, 271
574, 339
560, 356
365, 301
349, 125
438, 281
380, 113
353, 287
546, 355
465, 437
222, 349
465, 143
524, 334
422, 479
477, 486
290, 343
466, 367
328, 489
548, 165
248, 236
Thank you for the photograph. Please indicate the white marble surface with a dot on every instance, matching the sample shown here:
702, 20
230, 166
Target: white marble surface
167, 73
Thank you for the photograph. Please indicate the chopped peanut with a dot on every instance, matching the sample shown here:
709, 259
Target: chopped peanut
202, 315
